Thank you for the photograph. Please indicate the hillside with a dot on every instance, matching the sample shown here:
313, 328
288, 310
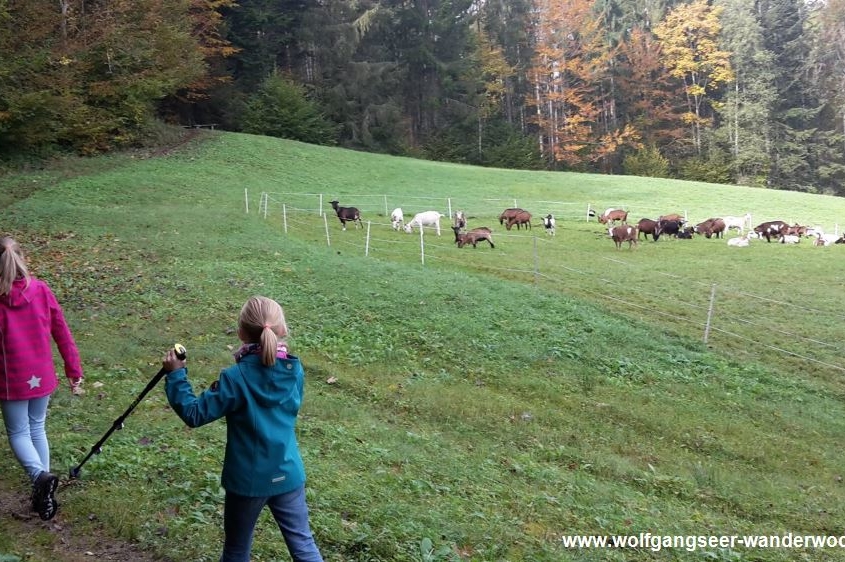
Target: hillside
484, 402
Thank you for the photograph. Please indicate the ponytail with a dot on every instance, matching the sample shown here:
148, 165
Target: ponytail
262, 321
12, 264
269, 341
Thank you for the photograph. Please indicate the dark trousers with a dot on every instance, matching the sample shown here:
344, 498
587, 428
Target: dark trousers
291, 514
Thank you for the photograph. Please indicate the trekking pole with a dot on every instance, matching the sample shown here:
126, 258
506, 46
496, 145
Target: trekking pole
181, 353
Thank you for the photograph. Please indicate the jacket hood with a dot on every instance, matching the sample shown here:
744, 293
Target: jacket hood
18, 296
275, 385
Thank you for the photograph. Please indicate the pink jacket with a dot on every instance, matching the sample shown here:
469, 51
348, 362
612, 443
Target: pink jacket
29, 317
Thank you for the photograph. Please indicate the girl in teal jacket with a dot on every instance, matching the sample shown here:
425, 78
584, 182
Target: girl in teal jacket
259, 396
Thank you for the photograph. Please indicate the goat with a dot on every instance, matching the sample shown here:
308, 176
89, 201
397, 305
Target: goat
739, 242
397, 218
345, 214
473, 236
507, 214
460, 219
822, 239
518, 219
612, 215
738, 223
624, 233
426, 218
549, 223
646, 227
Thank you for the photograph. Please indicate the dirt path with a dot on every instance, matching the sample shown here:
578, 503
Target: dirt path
57, 540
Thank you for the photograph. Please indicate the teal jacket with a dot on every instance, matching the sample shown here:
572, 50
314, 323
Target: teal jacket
260, 405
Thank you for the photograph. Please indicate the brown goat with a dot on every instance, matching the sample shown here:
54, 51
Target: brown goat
473, 236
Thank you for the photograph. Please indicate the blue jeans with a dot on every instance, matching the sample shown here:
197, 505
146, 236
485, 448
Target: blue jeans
291, 514
25, 422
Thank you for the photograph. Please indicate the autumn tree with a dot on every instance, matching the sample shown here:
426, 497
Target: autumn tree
570, 91
689, 35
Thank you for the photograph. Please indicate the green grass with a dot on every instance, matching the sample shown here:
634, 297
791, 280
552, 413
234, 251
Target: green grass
486, 402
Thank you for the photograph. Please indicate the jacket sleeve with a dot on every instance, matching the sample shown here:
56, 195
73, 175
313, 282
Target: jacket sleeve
223, 397
63, 338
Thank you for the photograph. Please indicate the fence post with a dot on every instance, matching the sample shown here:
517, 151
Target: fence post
386, 211
536, 262
326, 222
320, 208
285, 217
710, 313
367, 243
246, 200
449, 206
266, 199
422, 246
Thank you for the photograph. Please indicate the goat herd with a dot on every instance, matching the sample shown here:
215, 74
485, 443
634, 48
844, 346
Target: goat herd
619, 230
509, 218
716, 227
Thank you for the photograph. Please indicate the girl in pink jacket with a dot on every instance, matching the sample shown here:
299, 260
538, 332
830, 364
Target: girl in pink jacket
30, 317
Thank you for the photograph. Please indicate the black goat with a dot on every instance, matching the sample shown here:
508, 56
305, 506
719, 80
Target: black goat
350, 214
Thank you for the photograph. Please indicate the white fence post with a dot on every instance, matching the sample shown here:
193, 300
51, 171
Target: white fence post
326, 222
367, 243
422, 246
710, 313
285, 217
246, 200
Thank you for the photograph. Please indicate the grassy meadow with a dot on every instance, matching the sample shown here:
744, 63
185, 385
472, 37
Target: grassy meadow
461, 404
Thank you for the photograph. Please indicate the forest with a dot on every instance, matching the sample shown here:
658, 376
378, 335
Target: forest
745, 92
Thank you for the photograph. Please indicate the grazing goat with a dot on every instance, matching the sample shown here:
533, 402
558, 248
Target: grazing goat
711, 227
519, 219
460, 219
397, 218
508, 215
473, 236
669, 227
623, 233
426, 218
613, 215
350, 214
549, 224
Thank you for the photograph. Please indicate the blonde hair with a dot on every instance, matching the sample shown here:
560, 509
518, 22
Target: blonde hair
262, 321
12, 264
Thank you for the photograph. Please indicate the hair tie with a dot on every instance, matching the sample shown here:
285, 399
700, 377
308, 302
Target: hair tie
266, 326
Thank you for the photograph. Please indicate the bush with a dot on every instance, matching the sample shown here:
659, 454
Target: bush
281, 109
647, 163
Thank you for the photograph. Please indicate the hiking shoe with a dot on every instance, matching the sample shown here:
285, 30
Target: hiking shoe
44, 495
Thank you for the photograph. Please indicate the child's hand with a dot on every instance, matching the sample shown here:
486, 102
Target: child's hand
171, 362
76, 387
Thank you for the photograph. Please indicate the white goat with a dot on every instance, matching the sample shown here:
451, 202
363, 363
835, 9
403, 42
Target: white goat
739, 242
397, 218
739, 223
821, 239
426, 218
